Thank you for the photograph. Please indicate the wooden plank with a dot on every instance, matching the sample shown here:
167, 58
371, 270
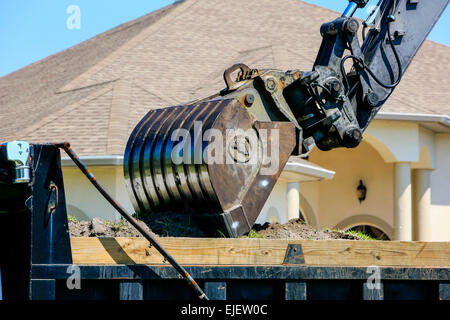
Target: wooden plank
376, 253
196, 251
185, 250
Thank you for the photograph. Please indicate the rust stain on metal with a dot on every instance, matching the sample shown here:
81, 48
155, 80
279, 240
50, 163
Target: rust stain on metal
294, 255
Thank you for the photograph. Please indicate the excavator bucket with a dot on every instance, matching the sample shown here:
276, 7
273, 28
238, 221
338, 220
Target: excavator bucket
210, 159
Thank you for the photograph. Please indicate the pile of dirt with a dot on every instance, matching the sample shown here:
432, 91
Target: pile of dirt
163, 225
104, 228
177, 225
297, 229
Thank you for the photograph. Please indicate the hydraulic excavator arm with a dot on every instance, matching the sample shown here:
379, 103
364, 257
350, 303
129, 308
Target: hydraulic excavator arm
219, 158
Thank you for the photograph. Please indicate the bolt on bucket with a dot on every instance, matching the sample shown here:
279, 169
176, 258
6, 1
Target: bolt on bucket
211, 159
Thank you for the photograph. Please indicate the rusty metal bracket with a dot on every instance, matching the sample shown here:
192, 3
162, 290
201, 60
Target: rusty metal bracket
294, 254
53, 199
245, 73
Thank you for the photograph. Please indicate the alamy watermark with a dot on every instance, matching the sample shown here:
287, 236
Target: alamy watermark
234, 146
74, 20
74, 280
374, 280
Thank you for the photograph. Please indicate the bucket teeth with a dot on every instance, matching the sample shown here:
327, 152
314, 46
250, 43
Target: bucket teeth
184, 159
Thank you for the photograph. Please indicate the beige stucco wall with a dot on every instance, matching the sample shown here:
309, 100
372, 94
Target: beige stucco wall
440, 190
85, 202
395, 141
275, 208
385, 143
338, 204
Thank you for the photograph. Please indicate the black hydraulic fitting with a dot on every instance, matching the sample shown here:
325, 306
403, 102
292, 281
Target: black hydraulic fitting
335, 88
351, 26
352, 138
371, 99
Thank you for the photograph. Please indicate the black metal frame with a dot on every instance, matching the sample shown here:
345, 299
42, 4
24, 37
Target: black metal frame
138, 282
38, 232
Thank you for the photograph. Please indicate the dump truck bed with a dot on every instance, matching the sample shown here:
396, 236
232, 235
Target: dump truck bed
261, 269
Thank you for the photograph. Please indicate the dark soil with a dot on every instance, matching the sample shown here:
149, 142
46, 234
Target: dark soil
104, 228
177, 225
299, 230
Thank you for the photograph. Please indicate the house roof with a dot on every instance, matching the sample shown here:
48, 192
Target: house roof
93, 94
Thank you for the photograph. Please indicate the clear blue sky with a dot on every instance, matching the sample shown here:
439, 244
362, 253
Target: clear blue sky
34, 29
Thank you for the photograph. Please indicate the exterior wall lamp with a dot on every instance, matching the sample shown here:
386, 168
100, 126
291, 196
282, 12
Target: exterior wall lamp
361, 191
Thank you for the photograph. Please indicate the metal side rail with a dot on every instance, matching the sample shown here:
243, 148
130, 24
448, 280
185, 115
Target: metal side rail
293, 282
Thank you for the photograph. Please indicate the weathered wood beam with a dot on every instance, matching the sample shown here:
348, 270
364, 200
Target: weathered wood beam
196, 251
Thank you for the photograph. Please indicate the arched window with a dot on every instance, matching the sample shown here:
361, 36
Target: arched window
371, 231
373, 226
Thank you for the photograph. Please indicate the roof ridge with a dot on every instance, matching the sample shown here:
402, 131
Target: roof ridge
178, 8
120, 106
254, 49
87, 87
436, 43
318, 6
53, 116
404, 101
152, 91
